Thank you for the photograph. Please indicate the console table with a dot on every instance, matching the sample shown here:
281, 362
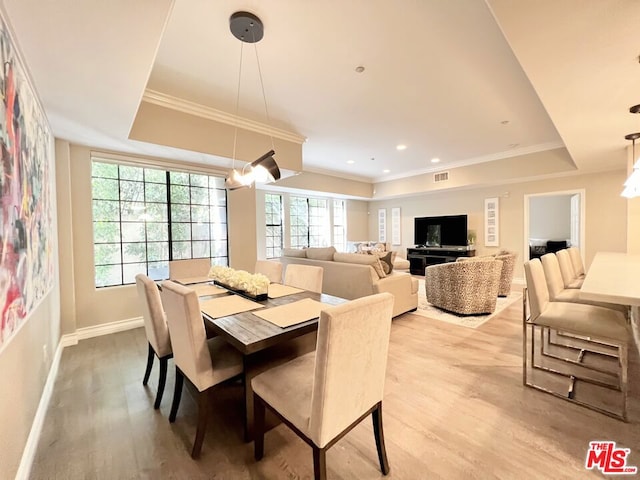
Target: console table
421, 257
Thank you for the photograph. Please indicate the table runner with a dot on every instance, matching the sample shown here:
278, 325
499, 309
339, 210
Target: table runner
277, 290
291, 313
229, 305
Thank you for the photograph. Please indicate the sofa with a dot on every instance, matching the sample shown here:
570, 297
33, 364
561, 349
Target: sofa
465, 288
352, 275
366, 246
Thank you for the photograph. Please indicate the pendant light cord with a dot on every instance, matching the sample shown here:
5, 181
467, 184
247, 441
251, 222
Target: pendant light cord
264, 96
235, 132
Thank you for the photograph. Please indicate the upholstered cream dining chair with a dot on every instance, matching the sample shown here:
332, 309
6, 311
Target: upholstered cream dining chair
205, 363
155, 327
322, 395
189, 268
590, 321
569, 276
557, 292
307, 277
271, 269
576, 261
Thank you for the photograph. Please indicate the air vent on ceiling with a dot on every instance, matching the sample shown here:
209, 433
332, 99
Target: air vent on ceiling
440, 177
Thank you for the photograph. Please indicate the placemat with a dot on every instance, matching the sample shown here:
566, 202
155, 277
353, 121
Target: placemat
291, 313
223, 306
205, 289
277, 290
190, 280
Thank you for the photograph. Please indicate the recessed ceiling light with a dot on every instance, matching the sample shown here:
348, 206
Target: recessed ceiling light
350, 162
435, 160
401, 147
505, 122
386, 170
359, 69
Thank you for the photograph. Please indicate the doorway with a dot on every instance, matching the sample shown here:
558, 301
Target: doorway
551, 219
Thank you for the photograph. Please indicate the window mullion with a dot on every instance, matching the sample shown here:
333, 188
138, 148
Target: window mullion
169, 230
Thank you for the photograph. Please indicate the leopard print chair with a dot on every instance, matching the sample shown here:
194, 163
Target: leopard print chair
465, 288
508, 266
506, 277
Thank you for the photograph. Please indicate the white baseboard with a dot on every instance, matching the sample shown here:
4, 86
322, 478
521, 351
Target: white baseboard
108, 328
519, 281
67, 340
29, 452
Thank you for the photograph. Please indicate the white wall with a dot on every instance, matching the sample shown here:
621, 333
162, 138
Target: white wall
550, 217
605, 223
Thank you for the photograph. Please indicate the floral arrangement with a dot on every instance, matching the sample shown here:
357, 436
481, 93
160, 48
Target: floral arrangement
252, 283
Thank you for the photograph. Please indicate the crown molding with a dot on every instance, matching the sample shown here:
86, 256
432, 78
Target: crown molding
198, 110
516, 152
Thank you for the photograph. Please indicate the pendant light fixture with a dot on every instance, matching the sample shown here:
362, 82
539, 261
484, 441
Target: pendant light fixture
632, 185
248, 28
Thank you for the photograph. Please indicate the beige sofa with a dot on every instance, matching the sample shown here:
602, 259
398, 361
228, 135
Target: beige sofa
354, 280
399, 262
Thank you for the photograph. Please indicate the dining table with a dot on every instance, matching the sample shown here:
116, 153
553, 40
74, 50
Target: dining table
614, 277
264, 344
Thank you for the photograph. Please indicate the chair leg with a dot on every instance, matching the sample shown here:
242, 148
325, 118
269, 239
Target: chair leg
147, 372
319, 463
203, 416
258, 427
162, 380
379, 434
177, 394
624, 361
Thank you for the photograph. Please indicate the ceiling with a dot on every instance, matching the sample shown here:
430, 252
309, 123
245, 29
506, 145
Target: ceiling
440, 77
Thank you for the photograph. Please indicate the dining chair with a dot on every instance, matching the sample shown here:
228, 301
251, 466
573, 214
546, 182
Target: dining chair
557, 291
271, 269
576, 261
205, 363
322, 395
307, 277
192, 267
566, 270
156, 330
579, 320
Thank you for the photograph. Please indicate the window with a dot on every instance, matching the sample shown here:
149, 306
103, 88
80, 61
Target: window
274, 232
299, 218
309, 222
145, 217
339, 225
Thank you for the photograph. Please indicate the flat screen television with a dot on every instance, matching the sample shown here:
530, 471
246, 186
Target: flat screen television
443, 231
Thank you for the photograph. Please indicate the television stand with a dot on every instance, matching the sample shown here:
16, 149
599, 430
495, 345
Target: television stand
420, 257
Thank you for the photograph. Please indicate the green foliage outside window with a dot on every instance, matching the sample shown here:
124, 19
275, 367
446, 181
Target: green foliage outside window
136, 230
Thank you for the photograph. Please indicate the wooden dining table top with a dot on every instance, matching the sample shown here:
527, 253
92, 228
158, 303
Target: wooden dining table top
249, 333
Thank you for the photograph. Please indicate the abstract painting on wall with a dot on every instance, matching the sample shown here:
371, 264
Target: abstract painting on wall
26, 233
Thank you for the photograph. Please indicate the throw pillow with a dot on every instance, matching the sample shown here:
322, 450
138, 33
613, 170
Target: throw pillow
387, 262
371, 260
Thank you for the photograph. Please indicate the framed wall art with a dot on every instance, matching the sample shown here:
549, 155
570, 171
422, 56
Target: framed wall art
26, 250
382, 225
396, 226
491, 222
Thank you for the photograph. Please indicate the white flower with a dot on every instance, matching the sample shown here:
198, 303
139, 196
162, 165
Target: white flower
255, 284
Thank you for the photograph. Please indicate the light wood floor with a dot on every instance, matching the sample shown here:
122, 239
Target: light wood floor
454, 408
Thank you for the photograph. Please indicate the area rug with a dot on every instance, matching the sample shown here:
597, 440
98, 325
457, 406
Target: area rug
425, 309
